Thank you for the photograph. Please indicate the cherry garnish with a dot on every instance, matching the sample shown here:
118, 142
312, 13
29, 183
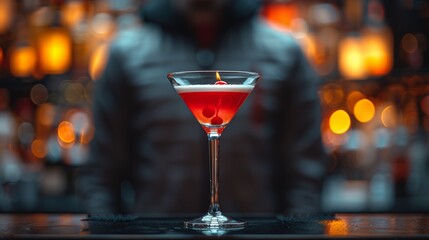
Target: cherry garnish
217, 121
209, 111
221, 83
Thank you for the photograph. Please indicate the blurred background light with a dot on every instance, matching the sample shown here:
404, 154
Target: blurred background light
42, 17
364, 110
66, 132
389, 116
280, 15
45, 114
352, 98
55, 51
23, 61
97, 61
351, 59
377, 49
103, 25
73, 12
339, 122
6, 14
38, 148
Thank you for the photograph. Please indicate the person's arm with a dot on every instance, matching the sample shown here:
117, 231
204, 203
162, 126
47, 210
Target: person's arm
303, 156
108, 162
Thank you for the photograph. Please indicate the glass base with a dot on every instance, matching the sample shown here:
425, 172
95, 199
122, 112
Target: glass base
217, 221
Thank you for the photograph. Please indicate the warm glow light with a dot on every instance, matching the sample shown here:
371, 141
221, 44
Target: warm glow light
280, 14
364, 110
38, 148
353, 98
311, 50
389, 117
336, 227
103, 25
55, 51
6, 14
66, 132
45, 114
22, 61
351, 58
378, 53
97, 61
339, 122
73, 12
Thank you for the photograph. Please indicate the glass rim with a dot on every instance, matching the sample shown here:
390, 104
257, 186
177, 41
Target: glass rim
179, 73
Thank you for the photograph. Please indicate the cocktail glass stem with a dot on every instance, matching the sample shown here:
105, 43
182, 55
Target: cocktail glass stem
214, 208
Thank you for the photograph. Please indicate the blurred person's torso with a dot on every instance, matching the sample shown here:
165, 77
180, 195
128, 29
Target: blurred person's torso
169, 147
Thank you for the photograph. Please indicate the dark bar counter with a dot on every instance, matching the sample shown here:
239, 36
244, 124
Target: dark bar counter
338, 226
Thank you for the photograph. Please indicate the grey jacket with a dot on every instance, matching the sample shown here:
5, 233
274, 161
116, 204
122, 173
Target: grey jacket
272, 159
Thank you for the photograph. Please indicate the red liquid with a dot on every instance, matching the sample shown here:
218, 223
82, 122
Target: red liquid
214, 107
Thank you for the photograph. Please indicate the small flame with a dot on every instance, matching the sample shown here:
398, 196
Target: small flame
218, 76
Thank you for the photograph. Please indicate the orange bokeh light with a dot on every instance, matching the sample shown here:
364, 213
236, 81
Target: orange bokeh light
351, 58
280, 14
38, 148
73, 12
378, 53
55, 51
364, 110
66, 132
389, 116
6, 14
97, 61
339, 122
353, 98
22, 61
45, 114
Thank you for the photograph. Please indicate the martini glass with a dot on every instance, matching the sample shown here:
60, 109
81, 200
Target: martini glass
213, 98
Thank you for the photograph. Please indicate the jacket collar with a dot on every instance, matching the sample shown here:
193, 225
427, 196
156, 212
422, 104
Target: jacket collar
163, 13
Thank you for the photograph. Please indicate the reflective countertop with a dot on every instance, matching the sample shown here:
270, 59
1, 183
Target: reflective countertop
80, 226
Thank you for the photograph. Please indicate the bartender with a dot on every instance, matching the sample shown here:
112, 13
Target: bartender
149, 154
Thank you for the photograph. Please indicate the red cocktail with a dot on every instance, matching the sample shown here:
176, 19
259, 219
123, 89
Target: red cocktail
214, 103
